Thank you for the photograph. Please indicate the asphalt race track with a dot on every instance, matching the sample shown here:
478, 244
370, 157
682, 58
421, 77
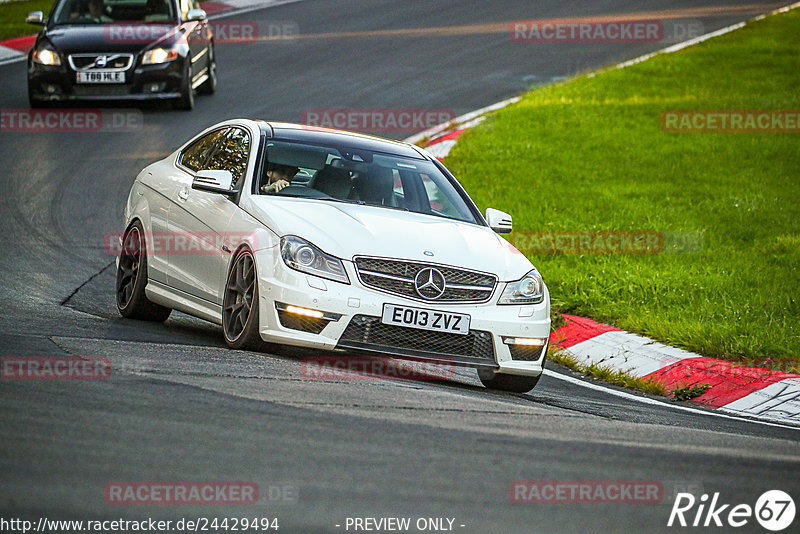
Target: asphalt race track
180, 406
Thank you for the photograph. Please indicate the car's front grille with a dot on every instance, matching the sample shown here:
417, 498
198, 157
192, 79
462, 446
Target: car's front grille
106, 62
369, 332
400, 278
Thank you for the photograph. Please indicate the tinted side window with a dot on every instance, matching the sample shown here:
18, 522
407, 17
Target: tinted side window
197, 153
231, 154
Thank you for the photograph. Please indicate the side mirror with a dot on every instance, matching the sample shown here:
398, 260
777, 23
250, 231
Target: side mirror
216, 181
36, 18
499, 221
196, 15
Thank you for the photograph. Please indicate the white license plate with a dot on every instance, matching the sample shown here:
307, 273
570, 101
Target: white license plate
101, 76
438, 321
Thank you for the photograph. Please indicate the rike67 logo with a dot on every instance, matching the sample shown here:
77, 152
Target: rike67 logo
774, 511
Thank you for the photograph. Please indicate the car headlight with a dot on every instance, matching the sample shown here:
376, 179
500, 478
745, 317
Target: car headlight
302, 256
45, 54
159, 55
528, 290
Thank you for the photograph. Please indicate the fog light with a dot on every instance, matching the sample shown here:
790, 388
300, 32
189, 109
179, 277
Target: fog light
526, 349
304, 319
525, 341
305, 311
155, 87
51, 88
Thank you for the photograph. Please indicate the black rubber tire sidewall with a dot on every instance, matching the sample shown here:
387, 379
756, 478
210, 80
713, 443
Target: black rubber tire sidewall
139, 307
249, 338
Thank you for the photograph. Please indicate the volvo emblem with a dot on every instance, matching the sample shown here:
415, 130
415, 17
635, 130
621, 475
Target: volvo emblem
430, 283
101, 61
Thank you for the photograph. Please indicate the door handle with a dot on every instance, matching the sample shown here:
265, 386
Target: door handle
183, 194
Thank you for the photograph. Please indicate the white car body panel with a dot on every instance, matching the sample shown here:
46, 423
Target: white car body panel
347, 230
163, 199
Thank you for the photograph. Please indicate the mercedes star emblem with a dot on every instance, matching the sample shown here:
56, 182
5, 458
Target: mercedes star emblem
430, 283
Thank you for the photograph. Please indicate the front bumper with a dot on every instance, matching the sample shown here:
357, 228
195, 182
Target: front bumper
353, 313
148, 82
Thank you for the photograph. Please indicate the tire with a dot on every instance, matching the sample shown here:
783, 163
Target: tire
510, 383
240, 318
209, 87
132, 302
185, 102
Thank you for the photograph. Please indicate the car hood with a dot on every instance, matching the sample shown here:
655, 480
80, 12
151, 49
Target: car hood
108, 38
347, 230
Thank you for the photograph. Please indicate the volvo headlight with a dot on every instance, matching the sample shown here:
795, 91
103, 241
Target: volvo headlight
45, 54
159, 55
528, 290
302, 256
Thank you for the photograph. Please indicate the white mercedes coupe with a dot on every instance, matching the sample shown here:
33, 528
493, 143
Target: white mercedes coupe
331, 240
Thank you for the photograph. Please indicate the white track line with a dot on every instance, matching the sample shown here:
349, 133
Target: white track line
653, 402
459, 120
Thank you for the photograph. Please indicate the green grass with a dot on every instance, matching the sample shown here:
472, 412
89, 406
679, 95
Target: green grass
12, 17
590, 154
689, 392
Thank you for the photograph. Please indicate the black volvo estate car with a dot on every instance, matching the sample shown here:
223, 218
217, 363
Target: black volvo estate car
121, 49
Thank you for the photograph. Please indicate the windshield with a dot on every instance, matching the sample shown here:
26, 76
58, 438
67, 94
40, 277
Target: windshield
359, 176
113, 11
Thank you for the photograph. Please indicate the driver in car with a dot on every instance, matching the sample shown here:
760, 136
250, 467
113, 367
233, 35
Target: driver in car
96, 12
278, 177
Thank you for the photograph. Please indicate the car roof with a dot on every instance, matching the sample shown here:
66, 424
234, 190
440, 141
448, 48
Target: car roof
328, 136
